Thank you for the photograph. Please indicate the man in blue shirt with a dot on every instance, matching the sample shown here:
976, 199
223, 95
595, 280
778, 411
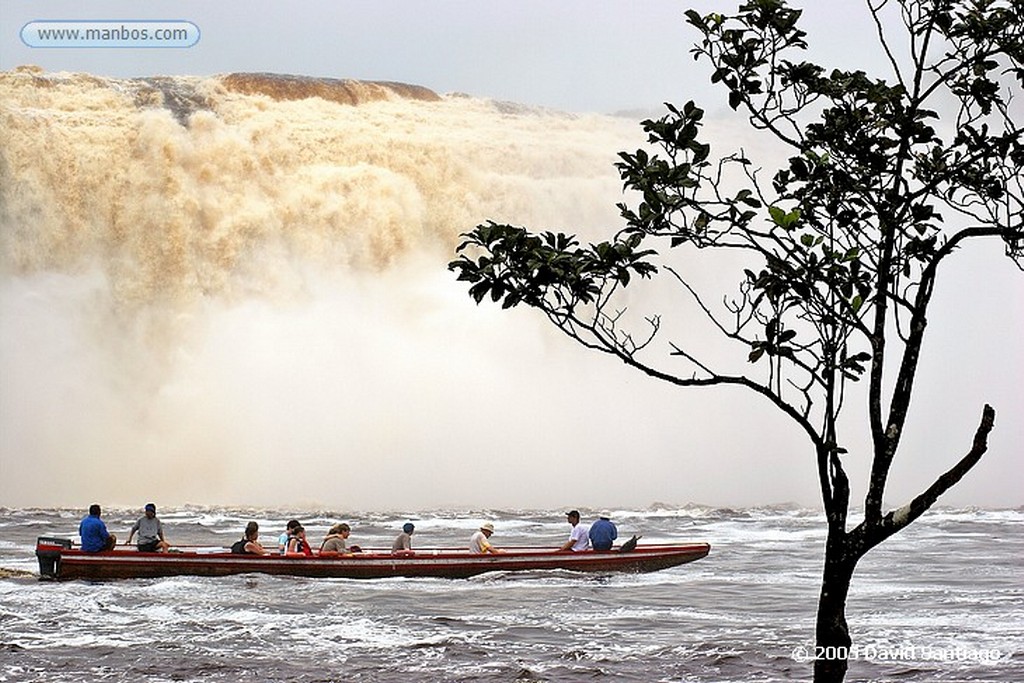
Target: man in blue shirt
94, 532
603, 532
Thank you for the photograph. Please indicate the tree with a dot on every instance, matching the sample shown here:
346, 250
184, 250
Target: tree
838, 254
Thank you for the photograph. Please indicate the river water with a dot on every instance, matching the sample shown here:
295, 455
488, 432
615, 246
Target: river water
940, 602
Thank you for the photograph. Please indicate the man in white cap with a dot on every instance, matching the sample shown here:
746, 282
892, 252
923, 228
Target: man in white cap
479, 542
603, 532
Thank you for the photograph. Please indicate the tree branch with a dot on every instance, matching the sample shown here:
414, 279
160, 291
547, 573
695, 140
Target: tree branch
867, 537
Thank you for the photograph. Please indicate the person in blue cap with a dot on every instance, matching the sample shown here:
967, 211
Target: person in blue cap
151, 532
403, 543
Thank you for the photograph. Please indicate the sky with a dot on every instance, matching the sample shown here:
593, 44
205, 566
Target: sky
572, 55
603, 57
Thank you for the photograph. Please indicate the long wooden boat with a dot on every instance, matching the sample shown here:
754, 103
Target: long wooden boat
60, 561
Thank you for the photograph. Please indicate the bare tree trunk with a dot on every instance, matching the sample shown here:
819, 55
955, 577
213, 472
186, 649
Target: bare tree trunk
832, 635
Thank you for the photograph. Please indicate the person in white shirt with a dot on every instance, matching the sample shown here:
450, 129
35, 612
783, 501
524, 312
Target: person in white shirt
579, 537
479, 542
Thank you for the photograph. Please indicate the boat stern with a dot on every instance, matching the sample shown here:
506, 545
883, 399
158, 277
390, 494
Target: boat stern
48, 553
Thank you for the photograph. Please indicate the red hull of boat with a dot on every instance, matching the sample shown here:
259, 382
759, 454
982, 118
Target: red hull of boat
63, 563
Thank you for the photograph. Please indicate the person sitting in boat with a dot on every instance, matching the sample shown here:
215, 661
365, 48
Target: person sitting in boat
603, 532
335, 541
579, 537
249, 544
151, 532
403, 543
282, 540
94, 534
297, 543
480, 541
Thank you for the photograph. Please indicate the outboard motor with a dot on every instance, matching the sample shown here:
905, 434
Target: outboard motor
48, 554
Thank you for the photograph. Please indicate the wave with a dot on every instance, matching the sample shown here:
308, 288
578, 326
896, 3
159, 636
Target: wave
509, 519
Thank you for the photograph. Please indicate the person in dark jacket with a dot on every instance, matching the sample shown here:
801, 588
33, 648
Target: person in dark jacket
249, 544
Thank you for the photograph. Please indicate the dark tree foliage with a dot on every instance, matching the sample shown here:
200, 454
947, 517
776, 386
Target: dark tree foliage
841, 247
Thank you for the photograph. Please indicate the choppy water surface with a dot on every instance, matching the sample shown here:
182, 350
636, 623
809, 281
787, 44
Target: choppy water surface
947, 591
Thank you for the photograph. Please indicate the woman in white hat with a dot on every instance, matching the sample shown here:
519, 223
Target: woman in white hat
479, 542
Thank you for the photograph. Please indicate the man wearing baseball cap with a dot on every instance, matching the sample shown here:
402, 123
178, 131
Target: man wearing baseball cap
579, 537
151, 532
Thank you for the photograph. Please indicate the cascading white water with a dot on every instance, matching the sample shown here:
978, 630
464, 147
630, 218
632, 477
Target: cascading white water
233, 289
